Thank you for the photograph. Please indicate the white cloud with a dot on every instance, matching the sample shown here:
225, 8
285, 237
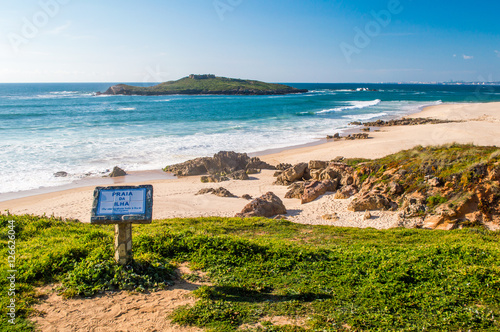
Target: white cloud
59, 29
454, 55
497, 53
468, 57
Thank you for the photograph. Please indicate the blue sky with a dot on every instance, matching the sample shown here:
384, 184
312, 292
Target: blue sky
273, 40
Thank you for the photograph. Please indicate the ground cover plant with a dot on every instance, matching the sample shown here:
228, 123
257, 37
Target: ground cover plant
325, 278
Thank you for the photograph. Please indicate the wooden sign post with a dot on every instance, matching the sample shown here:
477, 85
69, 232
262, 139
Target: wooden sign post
123, 206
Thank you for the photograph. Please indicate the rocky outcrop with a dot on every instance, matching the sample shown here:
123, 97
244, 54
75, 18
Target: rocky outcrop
283, 166
317, 164
346, 192
296, 190
317, 188
239, 175
117, 171
213, 178
221, 192
402, 122
337, 136
292, 174
267, 205
224, 162
372, 201
357, 136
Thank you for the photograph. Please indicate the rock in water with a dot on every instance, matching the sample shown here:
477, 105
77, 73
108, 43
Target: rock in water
117, 171
61, 174
267, 205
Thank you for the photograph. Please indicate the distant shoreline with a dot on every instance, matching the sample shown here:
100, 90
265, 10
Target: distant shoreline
176, 197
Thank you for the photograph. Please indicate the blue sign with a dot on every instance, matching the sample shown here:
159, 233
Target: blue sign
117, 204
122, 201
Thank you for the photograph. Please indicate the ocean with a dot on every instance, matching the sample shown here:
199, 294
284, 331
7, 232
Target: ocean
64, 127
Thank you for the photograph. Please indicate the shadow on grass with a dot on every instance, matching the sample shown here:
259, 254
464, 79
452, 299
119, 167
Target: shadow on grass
241, 294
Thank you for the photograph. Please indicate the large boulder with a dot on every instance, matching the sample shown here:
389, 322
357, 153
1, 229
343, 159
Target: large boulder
292, 174
267, 205
372, 201
316, 188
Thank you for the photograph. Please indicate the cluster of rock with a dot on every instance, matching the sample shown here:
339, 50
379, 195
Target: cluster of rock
337, 136
308, 181
401, 122
436, 203
221, 167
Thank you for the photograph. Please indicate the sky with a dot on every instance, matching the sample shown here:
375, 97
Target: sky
269, 40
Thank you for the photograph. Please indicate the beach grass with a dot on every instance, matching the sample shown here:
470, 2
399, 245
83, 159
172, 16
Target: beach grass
319, 278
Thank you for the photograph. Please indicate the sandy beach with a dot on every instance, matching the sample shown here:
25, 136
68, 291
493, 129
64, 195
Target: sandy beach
177, 197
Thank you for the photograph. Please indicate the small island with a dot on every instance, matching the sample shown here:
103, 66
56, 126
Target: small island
204, 85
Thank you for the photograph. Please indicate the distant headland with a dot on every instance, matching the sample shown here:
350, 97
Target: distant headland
204, 85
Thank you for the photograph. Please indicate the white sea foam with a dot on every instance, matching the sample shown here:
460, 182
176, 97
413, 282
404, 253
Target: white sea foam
362, 117
126, 109
354, 105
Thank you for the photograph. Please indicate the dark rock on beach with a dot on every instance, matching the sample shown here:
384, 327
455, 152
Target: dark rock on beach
221, 192
239, 175
224, 162
117, 171
267, 205
402, 122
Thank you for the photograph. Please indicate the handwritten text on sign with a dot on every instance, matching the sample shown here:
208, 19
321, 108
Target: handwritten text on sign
122, 201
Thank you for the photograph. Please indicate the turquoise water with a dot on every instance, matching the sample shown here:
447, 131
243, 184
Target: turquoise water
46, 128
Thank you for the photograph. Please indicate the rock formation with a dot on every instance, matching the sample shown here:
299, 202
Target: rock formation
267, 205
222, 163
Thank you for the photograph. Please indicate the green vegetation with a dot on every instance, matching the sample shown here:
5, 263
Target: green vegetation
206, 84
332, 279
434, 201
444, 161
